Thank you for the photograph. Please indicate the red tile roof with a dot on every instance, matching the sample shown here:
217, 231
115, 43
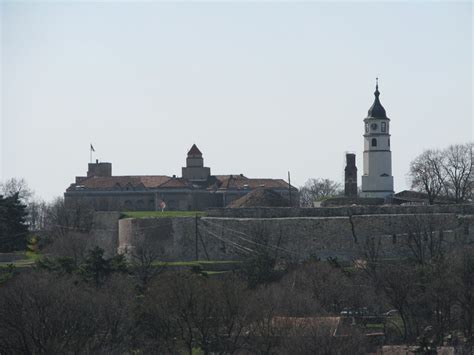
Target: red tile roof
175, 183
242, 182
260, 197
111, 182
222, 182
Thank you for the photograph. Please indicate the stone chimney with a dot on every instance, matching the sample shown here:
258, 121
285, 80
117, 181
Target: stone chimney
350, 176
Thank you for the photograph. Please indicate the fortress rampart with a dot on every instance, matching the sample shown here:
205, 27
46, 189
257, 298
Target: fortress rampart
345, 233
280, 212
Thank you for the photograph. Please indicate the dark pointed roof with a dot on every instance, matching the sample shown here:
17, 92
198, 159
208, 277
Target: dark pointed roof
377, 110
194, 151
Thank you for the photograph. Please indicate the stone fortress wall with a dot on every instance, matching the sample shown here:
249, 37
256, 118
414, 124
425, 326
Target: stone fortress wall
297, 233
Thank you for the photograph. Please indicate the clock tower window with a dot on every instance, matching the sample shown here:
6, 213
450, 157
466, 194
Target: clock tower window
383, 127
374, 142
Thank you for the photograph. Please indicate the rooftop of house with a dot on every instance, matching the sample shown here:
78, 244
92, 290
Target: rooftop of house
147, 182
261, 197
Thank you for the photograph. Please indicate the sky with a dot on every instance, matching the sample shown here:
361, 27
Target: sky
262, 88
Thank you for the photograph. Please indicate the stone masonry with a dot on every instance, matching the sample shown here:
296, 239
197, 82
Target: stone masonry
345, 236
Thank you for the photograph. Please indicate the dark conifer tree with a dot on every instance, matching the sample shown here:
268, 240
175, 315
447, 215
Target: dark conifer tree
13, 228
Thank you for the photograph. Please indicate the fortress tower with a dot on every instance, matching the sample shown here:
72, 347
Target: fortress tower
377, 179
195, 170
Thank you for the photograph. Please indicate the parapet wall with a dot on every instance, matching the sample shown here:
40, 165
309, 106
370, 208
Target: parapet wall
281, 212
344, 237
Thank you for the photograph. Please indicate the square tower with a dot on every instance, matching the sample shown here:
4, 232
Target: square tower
377, 179
195, 169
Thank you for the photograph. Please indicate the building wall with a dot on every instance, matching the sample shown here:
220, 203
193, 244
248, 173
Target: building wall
144, 200
112, 200
149, 200
99, 169
195, 173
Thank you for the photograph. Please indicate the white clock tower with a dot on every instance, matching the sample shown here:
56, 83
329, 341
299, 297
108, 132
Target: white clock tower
377, 179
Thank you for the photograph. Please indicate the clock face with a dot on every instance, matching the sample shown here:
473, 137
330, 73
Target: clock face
373, 126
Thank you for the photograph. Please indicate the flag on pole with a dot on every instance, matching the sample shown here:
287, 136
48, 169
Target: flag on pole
92, 148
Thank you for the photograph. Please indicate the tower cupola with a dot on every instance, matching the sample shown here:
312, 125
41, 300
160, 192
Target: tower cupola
194, 152
377, 110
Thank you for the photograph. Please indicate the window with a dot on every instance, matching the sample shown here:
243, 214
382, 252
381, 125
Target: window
366, 128
383, 127
374, 142
389, 142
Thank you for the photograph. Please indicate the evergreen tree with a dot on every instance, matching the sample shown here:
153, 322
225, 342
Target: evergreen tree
13, 228
96, 268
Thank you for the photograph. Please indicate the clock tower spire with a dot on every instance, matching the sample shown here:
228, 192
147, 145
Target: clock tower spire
377, 179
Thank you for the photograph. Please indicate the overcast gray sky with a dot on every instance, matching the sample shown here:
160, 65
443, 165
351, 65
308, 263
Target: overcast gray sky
260, 87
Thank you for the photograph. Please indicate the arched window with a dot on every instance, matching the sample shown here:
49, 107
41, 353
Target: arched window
374, 142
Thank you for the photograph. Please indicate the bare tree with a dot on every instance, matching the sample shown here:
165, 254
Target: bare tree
425, 240
458, 169
72, 245
427, 174
60, 220
37, 214
144, 266
317, 190
464, 278
266, 337
316, 335
447, 173
44, 314
16, 185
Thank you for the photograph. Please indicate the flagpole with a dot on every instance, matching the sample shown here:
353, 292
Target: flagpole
90, 149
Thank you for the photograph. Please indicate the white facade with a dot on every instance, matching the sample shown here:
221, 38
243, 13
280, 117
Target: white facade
377, 179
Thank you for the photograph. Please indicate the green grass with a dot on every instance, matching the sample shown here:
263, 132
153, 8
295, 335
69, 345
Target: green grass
18, 263
28, 260
159, 214
214, 262
32, 255
194, 263
215, 272
374, 326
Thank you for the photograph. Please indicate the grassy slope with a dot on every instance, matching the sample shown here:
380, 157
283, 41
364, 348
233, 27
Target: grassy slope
194, 263
159, 214
28, 261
